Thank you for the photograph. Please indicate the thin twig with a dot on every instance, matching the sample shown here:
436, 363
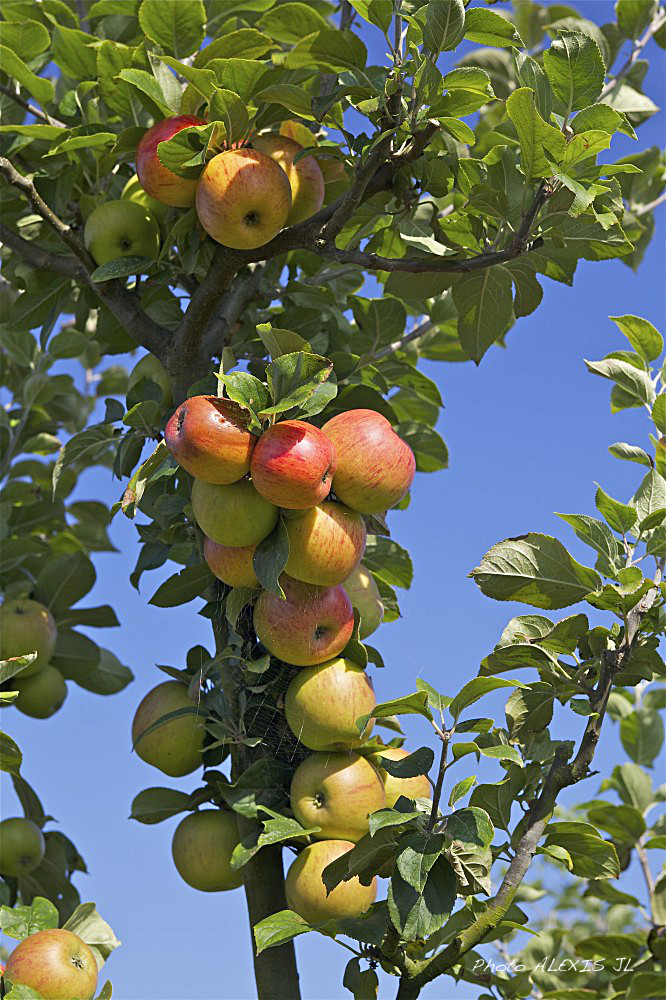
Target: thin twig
639, 45
650, 207
437, 794
397, 345
30, 108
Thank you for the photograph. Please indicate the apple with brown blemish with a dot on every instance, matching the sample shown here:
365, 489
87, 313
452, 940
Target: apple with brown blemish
209, 438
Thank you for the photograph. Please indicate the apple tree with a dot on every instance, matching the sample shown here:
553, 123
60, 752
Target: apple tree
212, 183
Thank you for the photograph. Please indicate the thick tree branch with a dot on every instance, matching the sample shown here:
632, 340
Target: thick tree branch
244, 289
39, 258
122, 303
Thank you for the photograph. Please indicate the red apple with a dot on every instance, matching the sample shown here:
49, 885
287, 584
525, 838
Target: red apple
312, 625
208, 437
292, 465
26, 627
413, 788
22, 846
232, 565
55, 963
336, 792
325, 544
306, 892
364, 594
234, 514
156, 179
323, 703
305, 177
243, 198
375, 467
202, 846
174, 747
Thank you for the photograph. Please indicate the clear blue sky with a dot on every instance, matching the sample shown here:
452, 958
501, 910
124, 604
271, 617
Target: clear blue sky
528, 433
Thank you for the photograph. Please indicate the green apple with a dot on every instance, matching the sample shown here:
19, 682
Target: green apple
323, 702
232, 514
150, 367
412, 788
306, 892
363, 592
57, 964
134, 192
22, 846
121, 229
325, 543
202, 846
336, 792
25, 627
175, 746
42, 694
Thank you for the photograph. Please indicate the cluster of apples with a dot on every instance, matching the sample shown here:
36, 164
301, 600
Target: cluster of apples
28, 626
244, 196
242, 484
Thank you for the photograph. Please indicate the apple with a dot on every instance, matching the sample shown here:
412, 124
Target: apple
22, 846
209, 437
134, 192
202, 846
234, 514
306, 892
363, 592
57, 964
292, 465
375, 467
42, 694
298, 132
412, 788
156, 179
174, 747
232, 565
325, 544
336, 792
26, 627
150, 367
313, 624
121, 229
305, 177
323, 702
243, 198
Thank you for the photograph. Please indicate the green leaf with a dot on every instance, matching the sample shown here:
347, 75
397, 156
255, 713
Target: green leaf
278, 342
73, 51
362, 983
620, 516
388, 561
529, 710
467, 89
634, 16
227, 107
87, 447
178, 27
598, 536
22, 921
590, 855
293, 378
185, 152
11, 757
642, 736
497, 799
484, 302
530, 74
328, 50
417, 914
153, 805
633, 381
13, 665
275, 831
659, 900
460, 789
87, 924
576, 70
642, 335
536, 569
502, 752
488, 28
279, 928
291, 97
146, 84
475, 689
377, 12
30, 38
409, 704
624, 823
121, 267
63, 581
650, 495
631, 452
41, 89
290, 22
609, 946
534, 134
418, 762
444, 25
270, 558
182, 587
248, 392
108, 676
659, 413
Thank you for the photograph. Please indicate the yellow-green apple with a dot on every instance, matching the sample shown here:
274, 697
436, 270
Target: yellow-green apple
175, 746
121, 229
26, 627
202, 846
412, 788
323, 702
150, 367
313, 624
375, 467
306, 892
305, 177
336, 792
156, 179
57, 964
298, 132
209, 437
42, 694
325, 543
22, 846
243, 198
332, 169
293, 464
134, 192
363, 592
234, 514
232, 565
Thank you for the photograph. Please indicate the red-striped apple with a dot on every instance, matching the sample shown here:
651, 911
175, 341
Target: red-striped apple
336, 792
375, 467
175, 746
305, 177
26, 627
292, 465
156, 179
313, 624
201, 848
209, 437
233, 565
325, 543
306, 892
323, 703
234, 514
364, 594
57, 964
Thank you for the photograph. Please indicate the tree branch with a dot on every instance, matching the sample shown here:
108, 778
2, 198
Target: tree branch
657, 22
397, 345
125, 306
243, 290
39, 258
30, 108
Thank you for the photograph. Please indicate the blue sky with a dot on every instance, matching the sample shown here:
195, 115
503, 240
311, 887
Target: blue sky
528, 433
